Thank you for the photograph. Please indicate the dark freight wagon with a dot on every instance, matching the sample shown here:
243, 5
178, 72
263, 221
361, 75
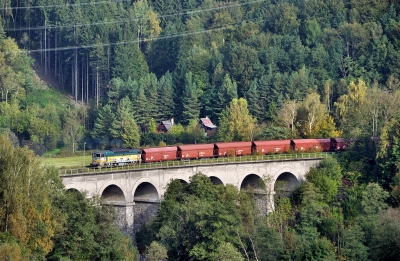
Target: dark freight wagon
325, 144
159, 154
225, 149
195, 151
337, 144
306, 145
271, 146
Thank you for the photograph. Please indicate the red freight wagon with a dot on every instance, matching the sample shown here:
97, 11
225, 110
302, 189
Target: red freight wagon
338, 144
271, 146
195, 151
159, 154
325, 144
305, 145
233, 148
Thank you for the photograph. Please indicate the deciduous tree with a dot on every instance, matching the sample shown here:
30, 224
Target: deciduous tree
314, 112
25, 204
73, 130
287, 114
236, 123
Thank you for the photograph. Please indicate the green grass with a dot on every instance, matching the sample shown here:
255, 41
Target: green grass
44, 97
52, 153
67, 162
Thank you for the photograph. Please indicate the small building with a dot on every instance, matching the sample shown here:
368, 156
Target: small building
165, 126
208, 126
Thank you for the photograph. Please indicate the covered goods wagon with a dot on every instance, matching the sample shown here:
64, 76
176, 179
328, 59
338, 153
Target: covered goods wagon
338, 144
224, 149
325, 144
271, 146
195, 151
306, 145
159, 154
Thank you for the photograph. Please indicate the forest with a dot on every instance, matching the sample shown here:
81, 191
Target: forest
260, 70
297, 69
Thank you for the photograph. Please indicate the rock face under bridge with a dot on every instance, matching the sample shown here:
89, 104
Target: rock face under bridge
136, 194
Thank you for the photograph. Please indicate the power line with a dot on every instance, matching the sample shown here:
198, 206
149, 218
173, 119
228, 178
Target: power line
64, 5
132, 41
131, 19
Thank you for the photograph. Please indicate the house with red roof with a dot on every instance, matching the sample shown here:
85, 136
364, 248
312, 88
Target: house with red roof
208, 126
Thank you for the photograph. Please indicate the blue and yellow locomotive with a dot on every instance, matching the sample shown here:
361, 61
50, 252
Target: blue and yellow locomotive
116, 157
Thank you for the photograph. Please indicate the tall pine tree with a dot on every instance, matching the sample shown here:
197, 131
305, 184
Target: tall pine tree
166, 102
190, 100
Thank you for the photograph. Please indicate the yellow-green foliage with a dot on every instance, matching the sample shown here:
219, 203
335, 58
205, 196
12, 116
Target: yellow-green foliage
236, 123
25, 208
326, 127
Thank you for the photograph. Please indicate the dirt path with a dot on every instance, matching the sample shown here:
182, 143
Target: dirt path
50, 80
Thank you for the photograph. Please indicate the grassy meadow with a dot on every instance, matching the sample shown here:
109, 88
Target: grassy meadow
67, 162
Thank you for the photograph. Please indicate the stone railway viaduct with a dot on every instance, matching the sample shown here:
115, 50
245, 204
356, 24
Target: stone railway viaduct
136, 193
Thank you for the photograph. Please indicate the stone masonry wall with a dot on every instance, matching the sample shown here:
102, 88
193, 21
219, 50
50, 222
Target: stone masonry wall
125, 219
131, 218
142, 212
263, 204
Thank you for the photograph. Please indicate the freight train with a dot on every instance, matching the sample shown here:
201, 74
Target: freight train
119, 157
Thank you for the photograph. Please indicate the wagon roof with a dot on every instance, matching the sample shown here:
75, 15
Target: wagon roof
125, 150
233, 144
302, 141
271, 142
324, 140
196, 147
159, 149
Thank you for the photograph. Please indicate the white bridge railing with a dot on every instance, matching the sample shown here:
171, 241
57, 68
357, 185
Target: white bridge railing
206, 161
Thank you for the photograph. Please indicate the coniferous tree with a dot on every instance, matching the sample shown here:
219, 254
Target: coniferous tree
265, 91
166, 102
130, 133
115, 91
129, 61
272, 114
103, 124
240, 64
190, 100
224, 95
124, 111
140, 111
299, 84
253, 97
149, 84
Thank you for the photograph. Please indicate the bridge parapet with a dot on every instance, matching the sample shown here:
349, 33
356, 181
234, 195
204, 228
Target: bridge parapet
199, 162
